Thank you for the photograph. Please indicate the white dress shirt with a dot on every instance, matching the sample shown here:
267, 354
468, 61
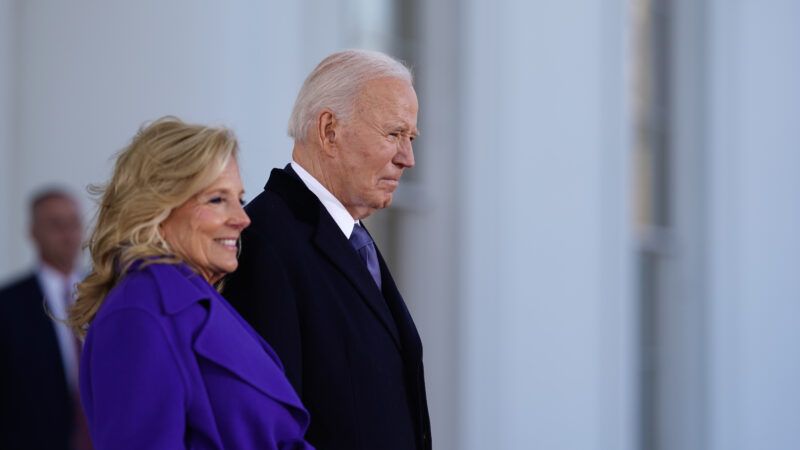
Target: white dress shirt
332, 204
54, 286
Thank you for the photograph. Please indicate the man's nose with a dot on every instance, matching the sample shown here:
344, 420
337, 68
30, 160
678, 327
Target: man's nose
405, 154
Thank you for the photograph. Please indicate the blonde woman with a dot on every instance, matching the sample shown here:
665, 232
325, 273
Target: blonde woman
167, 362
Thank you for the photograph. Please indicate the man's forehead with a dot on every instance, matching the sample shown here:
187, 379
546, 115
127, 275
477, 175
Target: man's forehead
389, 100
386, 90
55, 203
56, 199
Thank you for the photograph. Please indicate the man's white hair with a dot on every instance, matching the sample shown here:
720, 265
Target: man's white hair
335, 84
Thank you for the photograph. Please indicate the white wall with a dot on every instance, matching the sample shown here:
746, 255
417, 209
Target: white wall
7, 99
86, 77
682, 324
547, 319
754, 222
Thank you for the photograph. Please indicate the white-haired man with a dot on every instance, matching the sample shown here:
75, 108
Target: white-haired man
310, 278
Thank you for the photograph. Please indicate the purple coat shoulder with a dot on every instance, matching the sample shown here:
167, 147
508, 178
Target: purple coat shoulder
169, 364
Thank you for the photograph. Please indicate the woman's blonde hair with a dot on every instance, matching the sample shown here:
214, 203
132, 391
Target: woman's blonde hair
166, 164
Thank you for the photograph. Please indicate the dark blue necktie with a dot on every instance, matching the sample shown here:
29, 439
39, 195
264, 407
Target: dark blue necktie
363, 244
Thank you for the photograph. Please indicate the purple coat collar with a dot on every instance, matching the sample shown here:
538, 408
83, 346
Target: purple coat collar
221, 339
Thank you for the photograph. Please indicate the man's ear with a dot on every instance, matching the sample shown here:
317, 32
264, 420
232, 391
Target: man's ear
326, 131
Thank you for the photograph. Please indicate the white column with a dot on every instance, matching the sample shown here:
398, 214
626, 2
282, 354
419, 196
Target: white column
8, 12
754, 224
428, 248
681, 287
548, 320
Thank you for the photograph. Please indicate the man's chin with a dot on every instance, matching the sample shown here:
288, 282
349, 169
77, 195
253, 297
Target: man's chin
366, 210
387, 201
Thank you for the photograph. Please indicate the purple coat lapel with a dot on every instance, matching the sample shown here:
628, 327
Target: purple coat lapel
225, 338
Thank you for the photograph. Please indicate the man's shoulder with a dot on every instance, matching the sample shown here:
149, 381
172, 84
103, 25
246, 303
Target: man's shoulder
284, 202
268, 211
20, 296
20, 286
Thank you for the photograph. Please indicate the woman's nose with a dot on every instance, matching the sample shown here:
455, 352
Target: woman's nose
240, 220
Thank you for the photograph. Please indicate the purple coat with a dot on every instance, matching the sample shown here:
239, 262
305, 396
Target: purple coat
169, 364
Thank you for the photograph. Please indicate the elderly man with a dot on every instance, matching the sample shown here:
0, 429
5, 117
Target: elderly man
310, 278
40, 408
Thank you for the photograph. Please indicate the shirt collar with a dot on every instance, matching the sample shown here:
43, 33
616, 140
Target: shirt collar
55, 286
59, 292
52, 277
332, 204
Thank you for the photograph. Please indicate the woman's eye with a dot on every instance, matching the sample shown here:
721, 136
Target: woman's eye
242, 202
216, 200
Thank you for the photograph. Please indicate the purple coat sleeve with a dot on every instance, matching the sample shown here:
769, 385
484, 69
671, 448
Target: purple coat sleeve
139, 398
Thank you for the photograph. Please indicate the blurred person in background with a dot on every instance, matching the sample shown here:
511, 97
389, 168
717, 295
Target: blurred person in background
40, 406
167, 363
311, 279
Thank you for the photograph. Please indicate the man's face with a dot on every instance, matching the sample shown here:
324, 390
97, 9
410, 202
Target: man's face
57, 232
374, 146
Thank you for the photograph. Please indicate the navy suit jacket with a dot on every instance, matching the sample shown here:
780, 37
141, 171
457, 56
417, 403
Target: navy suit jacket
36, 405
350, 350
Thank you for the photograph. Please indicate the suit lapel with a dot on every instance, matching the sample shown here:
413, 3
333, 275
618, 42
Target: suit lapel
409, 337
224, 341
40, 331
330, 241
224, 338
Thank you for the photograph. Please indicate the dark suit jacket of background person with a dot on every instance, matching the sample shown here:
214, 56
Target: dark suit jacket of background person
353, 354
36, 405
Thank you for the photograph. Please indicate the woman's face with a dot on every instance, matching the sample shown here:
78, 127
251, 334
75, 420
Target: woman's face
204, 230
